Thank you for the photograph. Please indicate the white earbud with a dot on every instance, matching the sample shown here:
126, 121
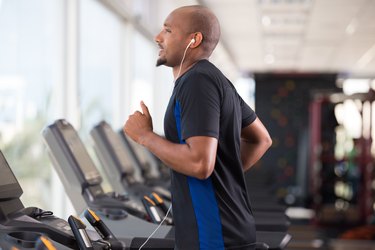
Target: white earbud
190, 43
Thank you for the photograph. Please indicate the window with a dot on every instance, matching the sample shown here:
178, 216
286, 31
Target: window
31, 65
143, 72
100, 63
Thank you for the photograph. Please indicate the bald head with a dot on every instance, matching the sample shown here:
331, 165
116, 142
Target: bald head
198, 18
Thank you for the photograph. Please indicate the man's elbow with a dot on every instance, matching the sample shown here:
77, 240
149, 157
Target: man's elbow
204, 171
268, 142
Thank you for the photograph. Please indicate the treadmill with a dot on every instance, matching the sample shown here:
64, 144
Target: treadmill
66, 149
122, 167
152, 169
82, 182
22, 227
113, 155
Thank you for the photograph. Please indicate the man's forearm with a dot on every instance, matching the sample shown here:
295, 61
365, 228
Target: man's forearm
186, 158
251, 153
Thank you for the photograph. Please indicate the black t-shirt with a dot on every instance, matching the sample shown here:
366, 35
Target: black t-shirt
213, 213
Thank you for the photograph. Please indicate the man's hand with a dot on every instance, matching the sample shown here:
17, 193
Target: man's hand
138, 125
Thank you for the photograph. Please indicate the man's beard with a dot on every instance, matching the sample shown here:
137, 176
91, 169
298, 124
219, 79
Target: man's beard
161, 61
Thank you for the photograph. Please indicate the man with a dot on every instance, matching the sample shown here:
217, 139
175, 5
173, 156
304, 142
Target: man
212, 137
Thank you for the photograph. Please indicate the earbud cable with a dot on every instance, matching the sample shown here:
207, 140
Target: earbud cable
156, 229
183, 58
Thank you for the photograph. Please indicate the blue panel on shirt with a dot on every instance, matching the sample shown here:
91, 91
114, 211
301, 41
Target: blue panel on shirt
204, 204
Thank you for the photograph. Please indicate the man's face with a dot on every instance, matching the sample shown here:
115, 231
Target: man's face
170, 40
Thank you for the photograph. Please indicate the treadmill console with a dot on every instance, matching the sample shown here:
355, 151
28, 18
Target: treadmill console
114, 141
113, 153
77, 154
9, 187
21, 227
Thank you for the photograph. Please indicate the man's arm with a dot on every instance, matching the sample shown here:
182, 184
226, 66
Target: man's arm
195, 158
255, 141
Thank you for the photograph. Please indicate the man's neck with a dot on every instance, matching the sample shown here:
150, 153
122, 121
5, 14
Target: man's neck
188, 64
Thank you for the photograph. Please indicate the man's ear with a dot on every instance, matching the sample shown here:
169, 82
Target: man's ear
198, 37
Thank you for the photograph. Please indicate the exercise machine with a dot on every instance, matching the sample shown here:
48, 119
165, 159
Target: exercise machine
65, 147
82, 182
122, 167
117, 162
22, 227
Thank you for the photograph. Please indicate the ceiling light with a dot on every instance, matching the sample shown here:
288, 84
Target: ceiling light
367, 57
351, 28
352, 86
266, 20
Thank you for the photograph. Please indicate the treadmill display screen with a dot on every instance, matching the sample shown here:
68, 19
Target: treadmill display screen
81, 155
9, 186
119, 150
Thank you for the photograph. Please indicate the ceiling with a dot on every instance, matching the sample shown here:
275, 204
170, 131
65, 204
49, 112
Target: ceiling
303, 36
298, 35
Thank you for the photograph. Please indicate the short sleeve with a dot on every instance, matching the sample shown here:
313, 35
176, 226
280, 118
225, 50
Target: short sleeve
248, 115
199, 101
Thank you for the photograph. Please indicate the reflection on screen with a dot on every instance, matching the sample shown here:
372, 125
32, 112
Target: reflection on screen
119, 149
80, 154
9, 187
6, 175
